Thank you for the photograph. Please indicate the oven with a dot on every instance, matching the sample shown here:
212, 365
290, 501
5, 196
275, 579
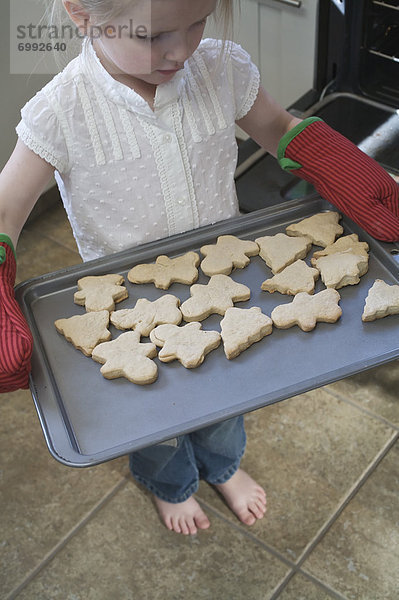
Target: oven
355, 91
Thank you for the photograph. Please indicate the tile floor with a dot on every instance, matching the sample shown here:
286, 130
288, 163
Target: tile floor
329, 460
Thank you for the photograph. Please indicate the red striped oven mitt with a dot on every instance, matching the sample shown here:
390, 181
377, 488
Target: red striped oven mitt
15, 337
343, 175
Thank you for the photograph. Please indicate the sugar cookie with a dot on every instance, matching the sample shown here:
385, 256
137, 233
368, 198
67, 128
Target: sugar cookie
382, 300
321, 228
295, 278
214, 297
242, 327
127, 357
341, 269
85, 331
227, 254
165, 271
348, 242
188, 344
146, 315
100, 292
278, 251
306, 310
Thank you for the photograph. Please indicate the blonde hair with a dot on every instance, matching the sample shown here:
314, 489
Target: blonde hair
103, 11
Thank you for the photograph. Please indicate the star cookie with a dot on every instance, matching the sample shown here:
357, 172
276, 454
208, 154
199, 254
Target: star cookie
321, 228
382, 300
146, 315
215, 297
280, 250
295, 278
341, 269
306, 310
165, 271
242, 327
227, 254
127, 357
100, 292
85, 331
188, 344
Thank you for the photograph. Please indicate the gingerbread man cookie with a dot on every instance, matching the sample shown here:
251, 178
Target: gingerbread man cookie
165, 271
321, 228
227, 254
382, 300
188, 344
85, 331
127, 357
146, 315
295, 278
306, 310
280, 250
215, 297
100, 292
242, 327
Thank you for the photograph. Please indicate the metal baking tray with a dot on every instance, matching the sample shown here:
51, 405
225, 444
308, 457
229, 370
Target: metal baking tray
87, 419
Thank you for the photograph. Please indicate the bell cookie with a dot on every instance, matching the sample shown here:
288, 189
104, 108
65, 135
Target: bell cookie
242, 327
188, 344
306, 310
127, 357
100, 292
382, 300
216, 296
297, 277
146, 315
321, 228
227, 254
341, 269
280, 250
85, 331
348, 242
165, 271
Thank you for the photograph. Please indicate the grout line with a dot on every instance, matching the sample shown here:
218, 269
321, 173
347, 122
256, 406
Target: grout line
362, 409
347, 498
248, 534
64, 541
275, 553
330, 522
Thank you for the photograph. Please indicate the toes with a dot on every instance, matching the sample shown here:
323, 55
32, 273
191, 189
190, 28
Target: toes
202, 521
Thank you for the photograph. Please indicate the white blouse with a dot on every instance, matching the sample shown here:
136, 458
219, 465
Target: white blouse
128, 174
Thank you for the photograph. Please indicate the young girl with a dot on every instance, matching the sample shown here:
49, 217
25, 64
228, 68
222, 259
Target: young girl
140, 132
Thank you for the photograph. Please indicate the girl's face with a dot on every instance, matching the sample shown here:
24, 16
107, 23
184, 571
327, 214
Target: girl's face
151, 39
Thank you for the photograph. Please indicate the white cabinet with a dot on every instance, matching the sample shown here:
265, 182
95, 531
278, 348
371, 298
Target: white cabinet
280, 35
287, 46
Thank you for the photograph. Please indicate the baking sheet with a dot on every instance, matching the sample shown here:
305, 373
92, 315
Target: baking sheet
87, 419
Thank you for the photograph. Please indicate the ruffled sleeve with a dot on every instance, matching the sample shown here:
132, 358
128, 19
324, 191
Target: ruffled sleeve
245, 80
41, 131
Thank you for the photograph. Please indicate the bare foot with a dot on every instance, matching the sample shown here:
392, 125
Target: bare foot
244, 496
182, 517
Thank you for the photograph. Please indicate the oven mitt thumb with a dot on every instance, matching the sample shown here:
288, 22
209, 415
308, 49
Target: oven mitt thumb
15, 337
343, 175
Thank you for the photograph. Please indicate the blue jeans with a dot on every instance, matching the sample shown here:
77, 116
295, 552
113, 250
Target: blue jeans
173, 473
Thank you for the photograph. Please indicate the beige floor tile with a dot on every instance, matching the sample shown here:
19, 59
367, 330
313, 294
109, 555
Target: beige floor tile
41, 500
53, 224
37, 255
125, 553
376, 390
359, 556
307, 452
300, 588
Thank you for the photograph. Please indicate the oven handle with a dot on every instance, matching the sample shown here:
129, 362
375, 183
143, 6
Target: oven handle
294, 3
